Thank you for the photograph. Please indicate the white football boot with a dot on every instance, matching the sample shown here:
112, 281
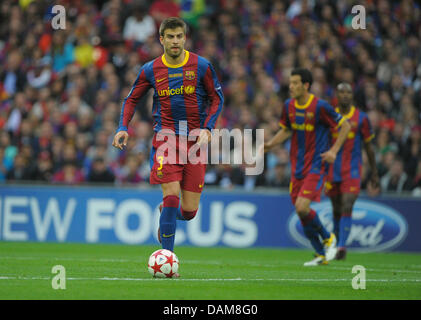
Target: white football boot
330, 247
317, 261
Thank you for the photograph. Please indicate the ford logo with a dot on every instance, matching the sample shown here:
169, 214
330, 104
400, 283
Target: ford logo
375, 227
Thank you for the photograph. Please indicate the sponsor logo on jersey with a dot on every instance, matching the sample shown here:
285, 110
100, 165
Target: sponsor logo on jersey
175, 75
176, 91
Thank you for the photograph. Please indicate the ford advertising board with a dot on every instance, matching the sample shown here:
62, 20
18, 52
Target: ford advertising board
230, 219
375, 226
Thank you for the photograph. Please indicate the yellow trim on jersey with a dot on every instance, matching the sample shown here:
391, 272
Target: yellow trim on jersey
306, 104
349, 114
282, 125
369, 138
169, 65
341, 122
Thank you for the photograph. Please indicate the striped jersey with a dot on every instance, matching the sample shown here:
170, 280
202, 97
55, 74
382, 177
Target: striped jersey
186, 96
349, 159
310, 125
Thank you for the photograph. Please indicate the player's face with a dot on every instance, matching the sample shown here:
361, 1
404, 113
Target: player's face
173, 42
296, 87
344, 97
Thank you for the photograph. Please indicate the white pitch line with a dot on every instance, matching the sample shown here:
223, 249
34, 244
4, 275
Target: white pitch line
205, 280
111, 260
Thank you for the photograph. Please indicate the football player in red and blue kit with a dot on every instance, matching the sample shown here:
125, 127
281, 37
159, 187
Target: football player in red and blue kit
308, 120
187, 98
344, 175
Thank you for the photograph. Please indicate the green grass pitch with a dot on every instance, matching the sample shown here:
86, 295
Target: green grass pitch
100, 271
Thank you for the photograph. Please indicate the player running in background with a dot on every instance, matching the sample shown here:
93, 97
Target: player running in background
344, 175
307, 120
187, 96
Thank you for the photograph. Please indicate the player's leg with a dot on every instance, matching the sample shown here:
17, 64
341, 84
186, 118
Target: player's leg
191, 189
348, 200
167, 219
336, 201
189, 204
311, 223
310, 190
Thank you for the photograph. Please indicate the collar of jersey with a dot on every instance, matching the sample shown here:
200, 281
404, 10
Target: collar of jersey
186, 58
349, 114
310, 99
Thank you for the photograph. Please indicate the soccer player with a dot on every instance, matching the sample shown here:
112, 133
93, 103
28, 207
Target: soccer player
344, 175
307, 120
187, 97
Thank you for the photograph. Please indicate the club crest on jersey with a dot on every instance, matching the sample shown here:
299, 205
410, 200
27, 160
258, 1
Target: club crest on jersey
190, 75
310, 115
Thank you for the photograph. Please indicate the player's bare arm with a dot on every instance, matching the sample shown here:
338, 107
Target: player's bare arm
330, 155
120, 139
373, 186
204, 137
277, 139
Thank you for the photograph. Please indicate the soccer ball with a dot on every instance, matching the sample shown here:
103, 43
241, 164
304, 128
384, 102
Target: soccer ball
163, 264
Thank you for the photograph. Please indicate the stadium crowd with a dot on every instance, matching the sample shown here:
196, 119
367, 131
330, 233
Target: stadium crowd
61, 90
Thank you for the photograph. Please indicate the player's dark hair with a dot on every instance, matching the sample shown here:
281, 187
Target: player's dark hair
305, 75
172, 23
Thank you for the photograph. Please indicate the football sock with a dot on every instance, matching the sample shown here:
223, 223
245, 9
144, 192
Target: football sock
336, 222
312, 233
344, 229
313, 219
313, 236
167, 221
185, 215
188, 215
180, 215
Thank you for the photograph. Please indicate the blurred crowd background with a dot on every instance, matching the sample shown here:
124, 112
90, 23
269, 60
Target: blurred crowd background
61, 90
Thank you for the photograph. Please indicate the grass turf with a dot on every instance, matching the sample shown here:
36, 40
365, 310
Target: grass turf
103, 271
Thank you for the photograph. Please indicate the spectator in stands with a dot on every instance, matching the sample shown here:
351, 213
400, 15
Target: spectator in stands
69, 173
20, 169
281, 178
396, 180
139, 26
253, 46
99, 172
130, 171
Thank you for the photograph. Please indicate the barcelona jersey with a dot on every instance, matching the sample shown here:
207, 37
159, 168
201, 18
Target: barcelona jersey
186, 96
349, 159
310, 125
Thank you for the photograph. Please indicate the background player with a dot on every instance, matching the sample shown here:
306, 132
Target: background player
307, 119
187, 97
344, 175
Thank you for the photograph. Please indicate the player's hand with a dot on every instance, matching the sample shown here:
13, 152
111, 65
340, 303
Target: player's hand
263, 148
329, 156
204, 137
120, 139
373, 186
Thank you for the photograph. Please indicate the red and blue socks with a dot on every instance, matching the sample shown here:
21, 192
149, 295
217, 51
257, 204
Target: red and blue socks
167, 221
313, 227
186, 215
344, 229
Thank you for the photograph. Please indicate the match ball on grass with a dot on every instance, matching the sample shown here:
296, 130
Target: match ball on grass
163, 264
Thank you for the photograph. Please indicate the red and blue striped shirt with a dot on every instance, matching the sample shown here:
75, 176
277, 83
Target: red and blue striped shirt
349, 159
310, 125
186, 96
